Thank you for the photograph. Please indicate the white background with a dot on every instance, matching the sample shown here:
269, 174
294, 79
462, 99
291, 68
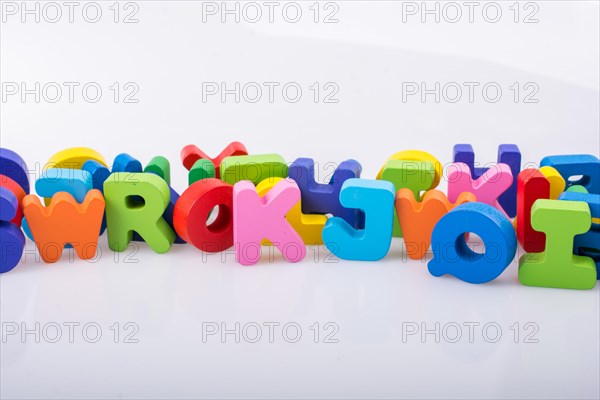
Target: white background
368, 54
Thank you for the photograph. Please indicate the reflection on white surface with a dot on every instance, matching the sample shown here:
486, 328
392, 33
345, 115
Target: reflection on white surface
171, 298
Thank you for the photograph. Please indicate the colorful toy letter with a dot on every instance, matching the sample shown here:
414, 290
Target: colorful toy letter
18, 192
418, 219
126, 163
8, 204
74, 158
13, 166
99, 173
452, 255
160, 166
587, 244
557, 186
202, 169
581, 189
65, 221
531, 185
508, 154
557, 266
416, 176
256, 218
575, 189
417, 155
320, 198
308, 226
12, 240
254, 168
14, 185
193, 209
167, 215
487, 188
569, 166
76, 182
190, 154
376, 199
557, 182
126, 214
